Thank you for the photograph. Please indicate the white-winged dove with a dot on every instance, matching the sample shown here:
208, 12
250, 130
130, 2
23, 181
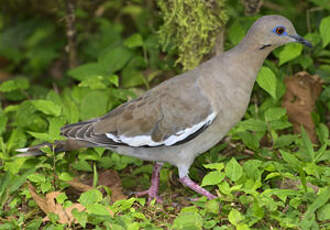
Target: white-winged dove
188, 114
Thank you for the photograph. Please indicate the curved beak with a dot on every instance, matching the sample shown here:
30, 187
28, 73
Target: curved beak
297, 38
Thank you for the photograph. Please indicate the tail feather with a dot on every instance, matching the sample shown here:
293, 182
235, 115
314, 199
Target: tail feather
60, 146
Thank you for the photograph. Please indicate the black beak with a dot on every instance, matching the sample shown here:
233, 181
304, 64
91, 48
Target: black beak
299, 39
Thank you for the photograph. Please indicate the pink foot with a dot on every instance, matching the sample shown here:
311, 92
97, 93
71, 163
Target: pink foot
153, 190
189, 183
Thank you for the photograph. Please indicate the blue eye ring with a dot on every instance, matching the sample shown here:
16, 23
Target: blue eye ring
280, 30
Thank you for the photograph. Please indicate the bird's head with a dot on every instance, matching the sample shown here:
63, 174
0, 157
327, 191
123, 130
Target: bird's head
273, 31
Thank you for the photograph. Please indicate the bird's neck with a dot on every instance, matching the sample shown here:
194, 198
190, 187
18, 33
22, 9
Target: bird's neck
250, 53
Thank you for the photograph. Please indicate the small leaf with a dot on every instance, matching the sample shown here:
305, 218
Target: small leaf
266, 79
325, 31
90, 197
98, 209
47, 107
133, 41
323, 213
235, 217
212, 178
15, 84
290, 52
93, 104
233, 170
217, 166
272, 114
81, 217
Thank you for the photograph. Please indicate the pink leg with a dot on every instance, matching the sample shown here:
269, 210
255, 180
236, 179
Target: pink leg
153, 190
189, 183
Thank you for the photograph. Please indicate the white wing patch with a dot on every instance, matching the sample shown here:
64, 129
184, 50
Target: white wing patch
146, 140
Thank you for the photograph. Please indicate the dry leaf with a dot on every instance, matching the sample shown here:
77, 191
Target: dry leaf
302, 90
76, 184
108, 178
49, 205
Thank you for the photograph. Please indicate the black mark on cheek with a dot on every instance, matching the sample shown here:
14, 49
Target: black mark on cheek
264, 46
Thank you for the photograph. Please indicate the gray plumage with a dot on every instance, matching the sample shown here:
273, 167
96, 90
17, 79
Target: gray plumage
188, 114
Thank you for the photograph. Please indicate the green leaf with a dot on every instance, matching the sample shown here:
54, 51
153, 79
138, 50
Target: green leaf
250, 140
325, 31
212, 178
133, 41
94, 104
236, 32
266, 79
217, 166
307, 146
93, 82
37, 178
16, 84
188, 220
115, 60
272, 114
98, 209
284, 140
290, 52
235, 217
90, 197
323, 213
253, 125
320, 200
323, 3
47, 107
81, 217
84, 72
233, 170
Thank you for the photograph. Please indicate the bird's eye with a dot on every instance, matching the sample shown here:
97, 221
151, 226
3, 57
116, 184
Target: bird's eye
279, 30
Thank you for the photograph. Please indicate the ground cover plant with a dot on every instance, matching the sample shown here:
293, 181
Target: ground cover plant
66, 61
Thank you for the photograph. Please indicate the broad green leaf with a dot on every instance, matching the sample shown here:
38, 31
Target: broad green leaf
323, 213
94, 104
307, 146
322, 133
37, 178
290, 52
3, 122
133, 41
235, 217
323, 3
115, 59
188, 220
212, 178
15, 84
285, 140
322, 198
47, 107
233, 170
325, 31
236, 32
217, 166
98, 209
17, 139
266, 79
81, 217
84, 72
272, 114
90, 197
253, 125
114, 79
93, 82
250, 140
291, 159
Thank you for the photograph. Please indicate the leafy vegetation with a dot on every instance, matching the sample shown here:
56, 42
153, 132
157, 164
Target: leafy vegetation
265, 175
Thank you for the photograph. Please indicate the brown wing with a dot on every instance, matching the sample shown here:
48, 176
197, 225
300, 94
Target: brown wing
166, 115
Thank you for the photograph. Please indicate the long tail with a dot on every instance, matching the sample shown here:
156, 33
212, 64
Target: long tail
60, 146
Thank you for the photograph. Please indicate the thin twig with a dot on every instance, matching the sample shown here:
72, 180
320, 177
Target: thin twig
71, 32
